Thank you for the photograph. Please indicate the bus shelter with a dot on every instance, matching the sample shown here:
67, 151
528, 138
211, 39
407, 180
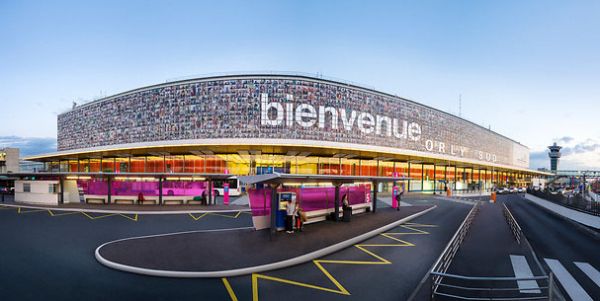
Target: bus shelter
327, 185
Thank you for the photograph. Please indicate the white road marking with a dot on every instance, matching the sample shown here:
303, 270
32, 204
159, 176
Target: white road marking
522, 270
590, 271
573, 289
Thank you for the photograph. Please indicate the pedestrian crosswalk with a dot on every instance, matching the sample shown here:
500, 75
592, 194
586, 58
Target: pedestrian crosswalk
589, 270
568, 282
572, 277
522, 270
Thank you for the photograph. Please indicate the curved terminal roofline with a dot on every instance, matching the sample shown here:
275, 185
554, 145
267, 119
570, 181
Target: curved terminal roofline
278, 75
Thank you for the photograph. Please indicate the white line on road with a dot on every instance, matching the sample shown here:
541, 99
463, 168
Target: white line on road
522, 270
590, 271
575, 291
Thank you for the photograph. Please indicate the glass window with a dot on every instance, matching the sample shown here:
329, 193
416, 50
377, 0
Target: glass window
26, 187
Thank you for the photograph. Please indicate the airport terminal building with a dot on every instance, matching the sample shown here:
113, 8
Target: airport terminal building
251, 124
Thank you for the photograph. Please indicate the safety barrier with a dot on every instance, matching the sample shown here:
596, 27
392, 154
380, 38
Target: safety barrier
493, 288
512, 223
444, 261
458, 287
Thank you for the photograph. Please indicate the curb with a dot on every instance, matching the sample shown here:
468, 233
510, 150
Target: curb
143, 212
586, 229
255, 269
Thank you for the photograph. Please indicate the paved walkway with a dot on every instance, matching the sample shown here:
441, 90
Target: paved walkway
490, 250
245, 251
578, 216
130, 209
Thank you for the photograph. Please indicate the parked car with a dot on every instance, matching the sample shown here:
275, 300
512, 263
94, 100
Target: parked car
502, 190
521, 190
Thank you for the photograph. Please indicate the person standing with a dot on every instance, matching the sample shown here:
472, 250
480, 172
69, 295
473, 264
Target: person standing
299, 216
289, 217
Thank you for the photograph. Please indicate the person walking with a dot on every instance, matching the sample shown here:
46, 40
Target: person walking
399, 197
289, 217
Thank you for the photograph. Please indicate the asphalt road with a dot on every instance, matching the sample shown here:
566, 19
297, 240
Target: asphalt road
555, 239
44, 257
360, 274
50, 257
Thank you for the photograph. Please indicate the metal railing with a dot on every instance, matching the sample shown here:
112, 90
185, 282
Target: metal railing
512, 223
444, 261
493, 288
458, 287
574, 201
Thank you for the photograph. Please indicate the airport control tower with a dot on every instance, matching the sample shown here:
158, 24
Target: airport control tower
554, 154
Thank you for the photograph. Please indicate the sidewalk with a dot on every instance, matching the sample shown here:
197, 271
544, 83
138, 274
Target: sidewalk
580, 217
244, 251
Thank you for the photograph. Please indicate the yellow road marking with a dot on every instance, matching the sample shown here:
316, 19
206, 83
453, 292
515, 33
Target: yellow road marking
61, 214
214, 213
225, 215
363, 247
420, 225
229, 289
29, 211
134, 218
199, 217
97, 217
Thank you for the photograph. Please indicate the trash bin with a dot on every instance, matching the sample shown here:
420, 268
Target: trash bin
347, 214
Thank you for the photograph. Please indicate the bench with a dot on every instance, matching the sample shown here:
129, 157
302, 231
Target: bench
321, 215
194, 202
174, 202
125, 201
95, 201
148, 202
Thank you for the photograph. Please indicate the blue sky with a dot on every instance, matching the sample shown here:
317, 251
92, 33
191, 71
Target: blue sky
528, 69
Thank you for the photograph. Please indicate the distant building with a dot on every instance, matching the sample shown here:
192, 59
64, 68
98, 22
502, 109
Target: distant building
554, 155
9, 160
30, 166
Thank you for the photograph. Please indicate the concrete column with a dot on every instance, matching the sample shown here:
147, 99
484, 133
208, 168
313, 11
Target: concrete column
408, 188
434, 178
274, 208
61, 196
455, 178
160, 190
336, 202
422, 176
210, 200
108, 186
375, 184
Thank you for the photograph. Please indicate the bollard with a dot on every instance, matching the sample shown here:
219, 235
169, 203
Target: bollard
493, 197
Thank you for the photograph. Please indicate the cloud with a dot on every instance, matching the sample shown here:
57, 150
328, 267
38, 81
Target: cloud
539, 160
564, 140
582, 147
582, 155
29, 145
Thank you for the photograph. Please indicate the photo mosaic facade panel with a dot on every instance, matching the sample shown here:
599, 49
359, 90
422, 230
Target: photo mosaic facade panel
231, 107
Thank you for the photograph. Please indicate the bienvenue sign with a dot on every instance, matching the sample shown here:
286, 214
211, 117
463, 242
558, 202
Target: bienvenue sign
290, 114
